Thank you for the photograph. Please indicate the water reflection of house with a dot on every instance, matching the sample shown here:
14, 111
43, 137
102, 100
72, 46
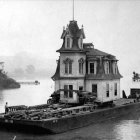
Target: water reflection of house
82, 67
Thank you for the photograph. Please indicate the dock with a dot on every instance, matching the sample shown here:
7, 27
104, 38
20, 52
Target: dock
29, 82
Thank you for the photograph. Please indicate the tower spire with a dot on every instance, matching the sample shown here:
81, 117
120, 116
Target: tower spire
73, 9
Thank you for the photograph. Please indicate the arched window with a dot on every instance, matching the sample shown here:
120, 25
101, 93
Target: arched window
68, 66
81, 65
80, 43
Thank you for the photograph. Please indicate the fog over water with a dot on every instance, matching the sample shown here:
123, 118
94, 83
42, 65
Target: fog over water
27, 95
31, 31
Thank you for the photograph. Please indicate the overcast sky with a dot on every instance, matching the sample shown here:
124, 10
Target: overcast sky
35, 26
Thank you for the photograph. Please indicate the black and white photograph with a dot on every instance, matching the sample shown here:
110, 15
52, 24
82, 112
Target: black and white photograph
70, 70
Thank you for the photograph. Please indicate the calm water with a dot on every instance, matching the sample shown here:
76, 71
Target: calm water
124, 128
27, 94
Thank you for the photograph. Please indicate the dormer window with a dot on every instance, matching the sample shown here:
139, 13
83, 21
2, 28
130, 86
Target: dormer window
92, 67
115, 68
68, 42
80, 42
107, 67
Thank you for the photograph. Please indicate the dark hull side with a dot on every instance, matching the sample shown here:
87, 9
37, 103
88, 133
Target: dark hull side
75, 121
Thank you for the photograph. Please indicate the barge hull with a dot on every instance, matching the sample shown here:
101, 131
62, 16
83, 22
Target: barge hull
77, 121
63, 124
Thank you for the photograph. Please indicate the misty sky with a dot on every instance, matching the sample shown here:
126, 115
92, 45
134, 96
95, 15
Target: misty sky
35, 26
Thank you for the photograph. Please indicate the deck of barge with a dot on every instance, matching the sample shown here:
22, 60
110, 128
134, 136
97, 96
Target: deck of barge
44, 112
61, 119
123, 101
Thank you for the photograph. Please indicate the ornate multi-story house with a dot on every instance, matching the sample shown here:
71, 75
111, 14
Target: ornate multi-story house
82, 67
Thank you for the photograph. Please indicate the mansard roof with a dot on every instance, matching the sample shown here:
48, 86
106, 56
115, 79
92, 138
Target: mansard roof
100, 75
97, 55
75, 33
96, 52
103, 76
74, 48
56, 76
93, 53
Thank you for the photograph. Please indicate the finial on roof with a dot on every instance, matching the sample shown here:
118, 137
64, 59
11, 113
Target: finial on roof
63, 27
82, 26
67, 28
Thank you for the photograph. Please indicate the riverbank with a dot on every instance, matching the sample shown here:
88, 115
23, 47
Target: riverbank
7, 82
